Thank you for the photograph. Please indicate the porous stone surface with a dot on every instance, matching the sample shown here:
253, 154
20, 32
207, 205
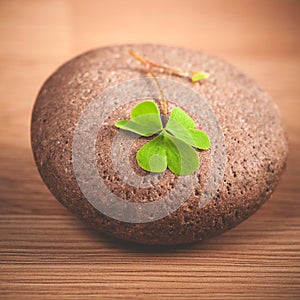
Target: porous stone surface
254, 141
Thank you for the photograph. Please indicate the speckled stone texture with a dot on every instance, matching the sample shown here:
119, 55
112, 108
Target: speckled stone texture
255, 143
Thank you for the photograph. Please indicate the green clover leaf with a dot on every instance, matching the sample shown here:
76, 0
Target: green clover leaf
145, 119
173, 147
152, 156
182, 126
199, 75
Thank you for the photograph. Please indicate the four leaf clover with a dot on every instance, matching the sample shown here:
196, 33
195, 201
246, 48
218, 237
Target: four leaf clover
173, 146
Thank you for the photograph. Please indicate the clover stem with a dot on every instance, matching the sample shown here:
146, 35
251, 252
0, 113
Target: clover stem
161, 68
164, 106
149, 65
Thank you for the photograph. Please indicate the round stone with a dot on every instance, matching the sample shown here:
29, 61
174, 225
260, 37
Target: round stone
90, 165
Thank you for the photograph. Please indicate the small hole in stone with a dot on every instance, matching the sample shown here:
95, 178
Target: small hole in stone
223, 219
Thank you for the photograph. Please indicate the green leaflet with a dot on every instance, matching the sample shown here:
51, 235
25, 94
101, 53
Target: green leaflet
168, 151
182, 158
181, 119
145, 119
199, 75
152, 156
182, 126
173, 146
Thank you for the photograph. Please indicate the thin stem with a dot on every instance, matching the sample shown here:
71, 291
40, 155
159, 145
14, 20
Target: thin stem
161, 68
149, 66
163, 99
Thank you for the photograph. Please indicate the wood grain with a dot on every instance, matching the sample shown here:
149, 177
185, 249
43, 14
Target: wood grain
46, 253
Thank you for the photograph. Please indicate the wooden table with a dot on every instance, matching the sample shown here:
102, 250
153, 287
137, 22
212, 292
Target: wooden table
46, 253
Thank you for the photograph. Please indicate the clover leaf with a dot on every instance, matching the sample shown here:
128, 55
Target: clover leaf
173, 147
145, 119
182, 126
199, 75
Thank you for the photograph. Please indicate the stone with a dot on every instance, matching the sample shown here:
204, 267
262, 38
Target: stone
89, 165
